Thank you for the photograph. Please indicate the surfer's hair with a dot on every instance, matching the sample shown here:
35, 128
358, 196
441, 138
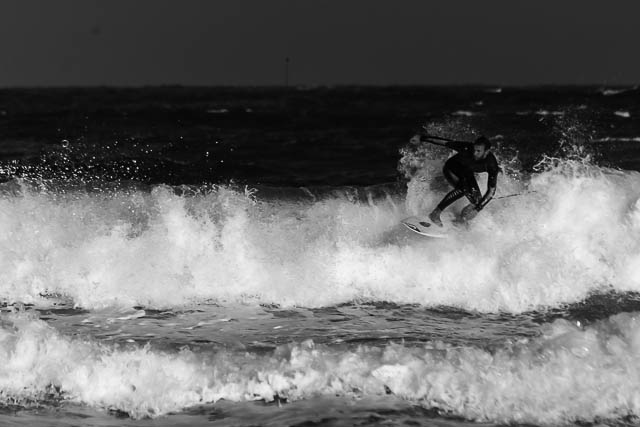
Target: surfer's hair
483, 140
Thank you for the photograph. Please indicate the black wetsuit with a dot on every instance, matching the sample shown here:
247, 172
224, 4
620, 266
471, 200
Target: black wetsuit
459, 171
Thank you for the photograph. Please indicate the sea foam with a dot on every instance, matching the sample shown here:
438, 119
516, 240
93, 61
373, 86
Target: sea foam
546, 380
573, 229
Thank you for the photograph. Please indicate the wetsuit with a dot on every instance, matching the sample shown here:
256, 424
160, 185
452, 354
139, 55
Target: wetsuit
459, 170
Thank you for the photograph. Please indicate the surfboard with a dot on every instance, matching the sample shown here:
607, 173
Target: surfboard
425, 227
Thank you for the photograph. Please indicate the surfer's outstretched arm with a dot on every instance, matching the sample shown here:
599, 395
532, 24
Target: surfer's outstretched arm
443, 142
417, 138
434, 142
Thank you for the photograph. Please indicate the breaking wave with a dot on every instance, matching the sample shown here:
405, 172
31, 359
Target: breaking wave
546, 380
571, 229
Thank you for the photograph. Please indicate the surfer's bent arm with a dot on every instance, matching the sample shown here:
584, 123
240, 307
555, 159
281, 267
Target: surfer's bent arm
491, 191
492, 183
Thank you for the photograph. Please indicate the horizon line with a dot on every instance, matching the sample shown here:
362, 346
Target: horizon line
630, 86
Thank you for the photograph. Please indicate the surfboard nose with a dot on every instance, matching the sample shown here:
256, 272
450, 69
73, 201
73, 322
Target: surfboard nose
425, 227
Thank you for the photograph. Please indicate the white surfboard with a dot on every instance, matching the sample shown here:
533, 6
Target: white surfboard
426, 227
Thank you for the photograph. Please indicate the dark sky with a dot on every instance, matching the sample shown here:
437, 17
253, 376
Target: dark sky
245, 42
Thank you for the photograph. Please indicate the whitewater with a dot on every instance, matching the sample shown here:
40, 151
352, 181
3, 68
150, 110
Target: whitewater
113, 269
139, 288
573, 231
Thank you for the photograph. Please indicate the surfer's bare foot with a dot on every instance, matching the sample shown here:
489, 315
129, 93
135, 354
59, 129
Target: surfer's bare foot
435, 217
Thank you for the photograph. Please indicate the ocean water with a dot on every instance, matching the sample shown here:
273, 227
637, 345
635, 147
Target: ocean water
232, 257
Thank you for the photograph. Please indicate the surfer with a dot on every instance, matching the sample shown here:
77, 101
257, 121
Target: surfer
459, 171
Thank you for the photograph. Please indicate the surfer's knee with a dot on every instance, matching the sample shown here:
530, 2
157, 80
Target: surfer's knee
473, 195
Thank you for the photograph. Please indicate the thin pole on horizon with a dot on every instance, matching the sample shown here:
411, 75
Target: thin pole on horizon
286, 72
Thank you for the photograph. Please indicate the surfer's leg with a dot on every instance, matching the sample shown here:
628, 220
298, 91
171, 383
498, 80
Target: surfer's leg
472, 190
451, 177
458, 180
451, 197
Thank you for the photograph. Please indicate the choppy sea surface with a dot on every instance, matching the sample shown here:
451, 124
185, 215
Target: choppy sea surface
233, 257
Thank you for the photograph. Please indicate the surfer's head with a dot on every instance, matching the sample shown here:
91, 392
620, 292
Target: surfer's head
481, 148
